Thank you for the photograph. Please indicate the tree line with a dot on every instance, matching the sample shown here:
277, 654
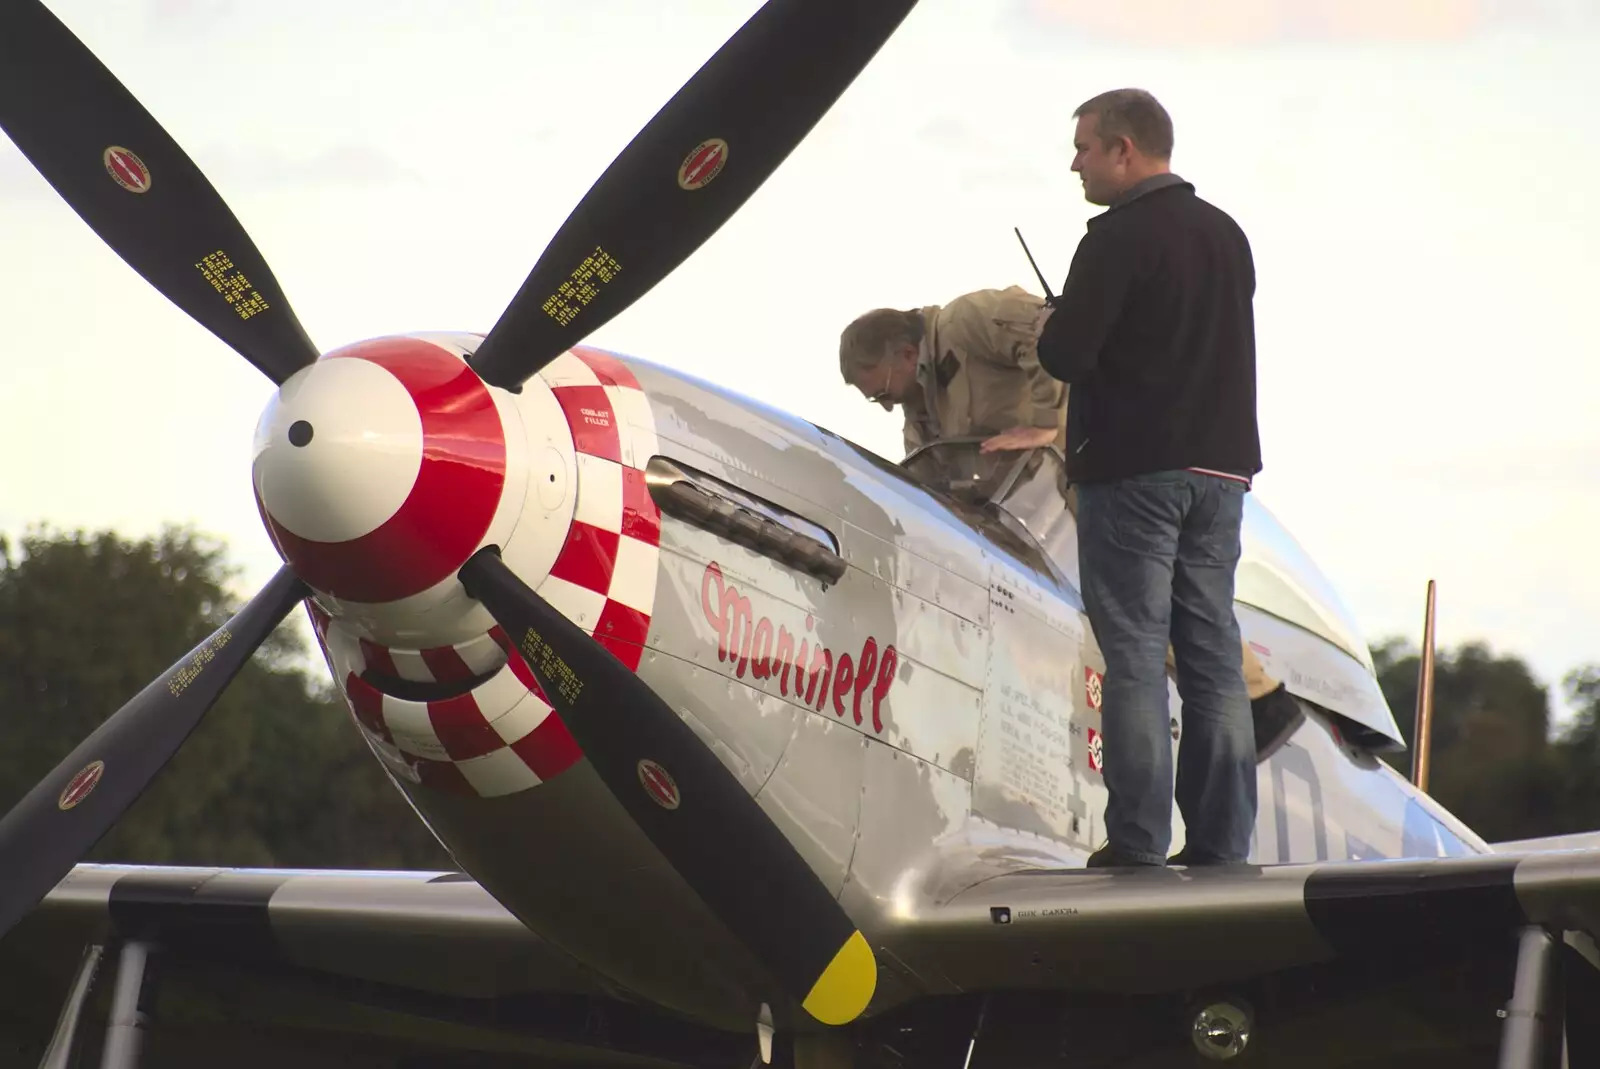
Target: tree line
1496, 761
277, 776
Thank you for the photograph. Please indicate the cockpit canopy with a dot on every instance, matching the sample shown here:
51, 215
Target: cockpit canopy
1274, 575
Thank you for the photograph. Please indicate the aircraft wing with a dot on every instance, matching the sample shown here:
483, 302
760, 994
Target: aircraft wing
1581, 840
1136, 931
309, 962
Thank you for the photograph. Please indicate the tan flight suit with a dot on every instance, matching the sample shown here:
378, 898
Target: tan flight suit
979, 369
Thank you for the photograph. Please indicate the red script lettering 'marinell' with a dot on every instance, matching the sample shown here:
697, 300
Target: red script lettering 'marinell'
753, 644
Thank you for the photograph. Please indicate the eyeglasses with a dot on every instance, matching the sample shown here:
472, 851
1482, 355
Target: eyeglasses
882, 393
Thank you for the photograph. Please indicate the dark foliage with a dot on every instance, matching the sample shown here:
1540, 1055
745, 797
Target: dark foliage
276, 775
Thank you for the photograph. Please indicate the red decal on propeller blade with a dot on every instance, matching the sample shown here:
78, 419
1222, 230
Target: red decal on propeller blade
126, 169
81, 785
661, 788
703, 165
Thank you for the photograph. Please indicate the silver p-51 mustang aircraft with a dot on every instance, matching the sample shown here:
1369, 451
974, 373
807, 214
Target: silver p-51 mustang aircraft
750, 745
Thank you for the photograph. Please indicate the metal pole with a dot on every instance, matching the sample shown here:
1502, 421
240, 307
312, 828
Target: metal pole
58, 1055
1532, 1037
1422, 735
977, 1030
125, 1030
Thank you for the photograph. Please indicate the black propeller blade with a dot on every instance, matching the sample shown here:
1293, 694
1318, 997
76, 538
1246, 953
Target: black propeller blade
691, 167
121, 172
692, 808
61, 819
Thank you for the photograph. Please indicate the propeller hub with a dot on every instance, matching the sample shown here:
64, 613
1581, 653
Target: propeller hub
379, 468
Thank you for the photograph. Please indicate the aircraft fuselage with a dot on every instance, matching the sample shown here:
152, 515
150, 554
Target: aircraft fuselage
906, 684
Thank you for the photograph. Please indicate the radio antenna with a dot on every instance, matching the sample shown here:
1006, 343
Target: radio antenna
1048, 295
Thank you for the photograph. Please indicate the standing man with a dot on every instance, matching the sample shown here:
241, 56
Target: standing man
1154, 330
969, 367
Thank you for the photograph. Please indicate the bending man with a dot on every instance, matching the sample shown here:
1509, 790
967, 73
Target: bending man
969, 367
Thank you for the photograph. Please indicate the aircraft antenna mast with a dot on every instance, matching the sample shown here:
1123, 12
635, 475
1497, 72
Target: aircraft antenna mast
1422, 734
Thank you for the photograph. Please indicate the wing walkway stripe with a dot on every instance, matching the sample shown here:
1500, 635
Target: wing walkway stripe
1409, 903
201, 912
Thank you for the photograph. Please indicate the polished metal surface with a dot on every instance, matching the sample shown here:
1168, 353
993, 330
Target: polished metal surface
1074, 929
432, 932
569, 863
1532, 1035
1561, 889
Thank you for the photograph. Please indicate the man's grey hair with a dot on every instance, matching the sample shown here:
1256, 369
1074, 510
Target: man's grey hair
867, 340
1134, 114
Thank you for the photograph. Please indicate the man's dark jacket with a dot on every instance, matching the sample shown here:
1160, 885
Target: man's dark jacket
1155, 331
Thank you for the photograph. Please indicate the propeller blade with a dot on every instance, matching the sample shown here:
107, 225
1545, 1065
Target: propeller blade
715, 835
121, 172
61, 819
691, 167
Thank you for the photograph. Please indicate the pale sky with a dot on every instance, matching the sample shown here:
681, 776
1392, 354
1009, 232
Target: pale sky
1413, 175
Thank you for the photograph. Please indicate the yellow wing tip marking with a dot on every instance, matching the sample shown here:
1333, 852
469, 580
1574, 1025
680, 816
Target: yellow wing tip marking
846, 986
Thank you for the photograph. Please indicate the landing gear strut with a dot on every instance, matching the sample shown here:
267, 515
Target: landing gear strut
125, 1028
58, 1055
1532, 1038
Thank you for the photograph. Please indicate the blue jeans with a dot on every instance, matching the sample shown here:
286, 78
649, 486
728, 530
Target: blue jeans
1156, 555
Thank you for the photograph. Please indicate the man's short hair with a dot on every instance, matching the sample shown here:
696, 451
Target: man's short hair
1134, 114
867, 340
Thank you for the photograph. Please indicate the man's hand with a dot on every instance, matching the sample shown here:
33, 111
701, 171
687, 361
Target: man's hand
1019, 438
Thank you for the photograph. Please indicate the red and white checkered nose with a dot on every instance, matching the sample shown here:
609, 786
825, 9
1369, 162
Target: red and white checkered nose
379, 469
